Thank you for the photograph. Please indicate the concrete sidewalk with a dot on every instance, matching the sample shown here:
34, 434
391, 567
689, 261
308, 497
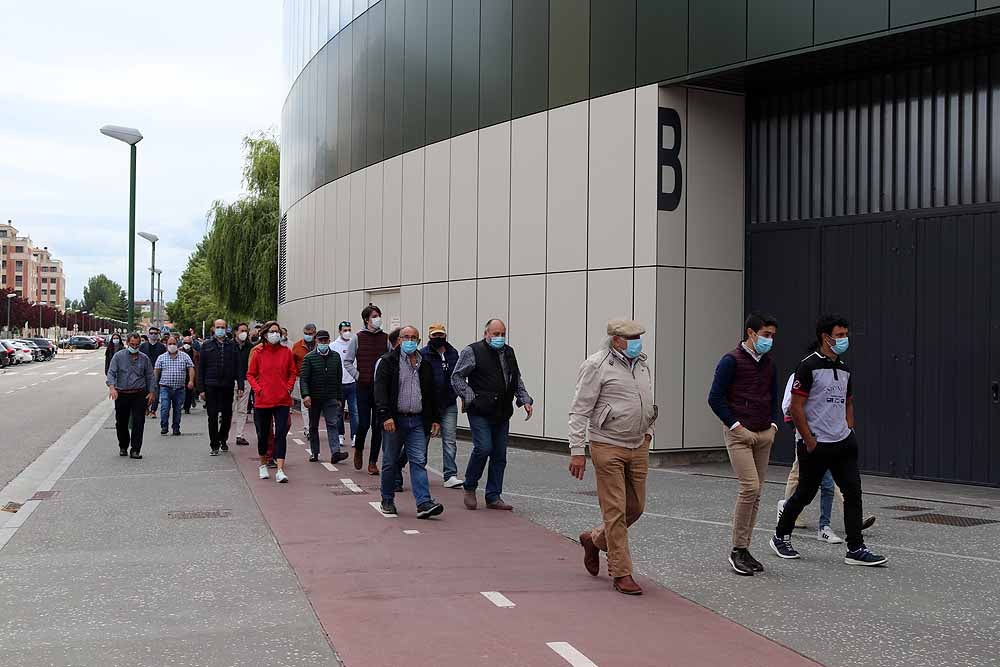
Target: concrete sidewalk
101, 574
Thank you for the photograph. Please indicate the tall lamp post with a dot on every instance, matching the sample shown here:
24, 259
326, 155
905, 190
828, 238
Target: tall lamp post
130, 136
10, 295
84, 313
152, 238
159, 300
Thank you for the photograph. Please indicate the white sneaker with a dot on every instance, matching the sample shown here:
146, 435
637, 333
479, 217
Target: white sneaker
263, 472
453, 482
826, 534
341, 441
280, 477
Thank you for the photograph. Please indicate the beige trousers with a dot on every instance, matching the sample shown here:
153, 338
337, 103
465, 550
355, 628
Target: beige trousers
621, 490
749, 452
241, 414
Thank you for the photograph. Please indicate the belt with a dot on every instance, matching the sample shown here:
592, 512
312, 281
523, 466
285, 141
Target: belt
132, 391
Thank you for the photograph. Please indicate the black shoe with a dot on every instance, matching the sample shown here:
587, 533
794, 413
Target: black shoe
782, 546
861, 556
429, 509
187, 412
242, 442
338, 457
388, 508
313, 458
163, 430
135, 455
122, 452
224, 447
272, 464
177, 431
868, 522
738, 558
755, 564
215, 451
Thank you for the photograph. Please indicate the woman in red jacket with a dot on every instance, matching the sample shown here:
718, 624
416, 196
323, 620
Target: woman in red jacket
271, 375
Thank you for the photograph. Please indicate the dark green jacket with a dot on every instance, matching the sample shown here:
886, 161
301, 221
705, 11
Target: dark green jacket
321, 376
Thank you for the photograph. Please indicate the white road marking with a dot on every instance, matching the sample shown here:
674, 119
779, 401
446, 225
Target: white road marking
297, 441
72, 373
57, 373
329, 466
349, 483
20, 388
411, 532
93, 373
378, 508
34, 384
566, 651
11, 373
11, 391
499, 599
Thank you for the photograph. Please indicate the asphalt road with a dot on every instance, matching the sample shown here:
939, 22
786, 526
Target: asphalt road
40, 401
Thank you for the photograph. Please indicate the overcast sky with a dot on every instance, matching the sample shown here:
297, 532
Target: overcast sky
194, 77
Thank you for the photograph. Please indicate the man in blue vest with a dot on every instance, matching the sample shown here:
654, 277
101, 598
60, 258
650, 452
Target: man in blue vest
488, 381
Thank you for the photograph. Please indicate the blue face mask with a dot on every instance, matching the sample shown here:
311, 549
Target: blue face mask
409, 346
763, 345
633, 348
497, 342
323, 347
220, 332
840, 345
132, 350
307, 338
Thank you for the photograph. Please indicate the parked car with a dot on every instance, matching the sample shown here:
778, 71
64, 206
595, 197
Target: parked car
23, 353
36, 352
47, 346
82, 343
7, 355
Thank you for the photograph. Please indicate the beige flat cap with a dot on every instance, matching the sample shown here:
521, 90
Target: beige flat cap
625, 328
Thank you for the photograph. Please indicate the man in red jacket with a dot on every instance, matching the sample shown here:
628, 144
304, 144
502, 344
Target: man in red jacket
272, 376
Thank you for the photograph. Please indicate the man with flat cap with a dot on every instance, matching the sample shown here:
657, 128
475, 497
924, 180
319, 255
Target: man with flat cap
614, 403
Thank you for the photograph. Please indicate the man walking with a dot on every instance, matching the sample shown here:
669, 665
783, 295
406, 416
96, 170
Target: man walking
362, 352
406, 410
822, 410
242, 407
299, 351
190, 395
488, 380
349, 388
152, 348
131, 385
218, 371
746, 399
320, 382
442, 358
174, 375
614, 401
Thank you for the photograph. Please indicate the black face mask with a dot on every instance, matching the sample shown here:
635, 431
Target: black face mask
438, 343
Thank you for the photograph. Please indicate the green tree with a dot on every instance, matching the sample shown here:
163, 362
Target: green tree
100, 290
196, 301
241, 248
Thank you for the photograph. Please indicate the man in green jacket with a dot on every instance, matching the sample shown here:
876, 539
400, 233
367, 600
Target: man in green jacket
320, 382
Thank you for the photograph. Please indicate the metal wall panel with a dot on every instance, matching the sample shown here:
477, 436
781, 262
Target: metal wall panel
661, 40
774, 26
376, 84
569, 52
912, 138
495, 61
415, 75
359, 94
438, 70
530, 75
465, 67
905, 12
840, 19
394, 57
612, 46
717, 30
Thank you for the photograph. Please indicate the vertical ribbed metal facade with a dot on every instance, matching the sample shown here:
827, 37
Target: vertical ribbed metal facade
921, 137
282, 257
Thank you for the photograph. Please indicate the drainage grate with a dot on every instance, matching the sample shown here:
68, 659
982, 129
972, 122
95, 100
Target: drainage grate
947, 520
11, 507
43, 495
199, 514
906, 508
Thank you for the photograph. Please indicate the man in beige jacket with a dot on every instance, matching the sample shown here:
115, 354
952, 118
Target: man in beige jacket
614, 401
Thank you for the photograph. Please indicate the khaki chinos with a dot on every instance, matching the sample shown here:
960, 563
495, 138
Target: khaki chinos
749, 452
621, 489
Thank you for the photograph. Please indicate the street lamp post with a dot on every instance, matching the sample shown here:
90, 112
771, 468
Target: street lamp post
130, 136
10, 295
152, 238
159, 300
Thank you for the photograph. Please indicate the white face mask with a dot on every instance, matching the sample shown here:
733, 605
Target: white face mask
241, 336
172, 349
187, 346
376, 323
274, 338
346, 335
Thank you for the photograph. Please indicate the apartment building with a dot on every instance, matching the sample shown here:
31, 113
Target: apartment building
32, 272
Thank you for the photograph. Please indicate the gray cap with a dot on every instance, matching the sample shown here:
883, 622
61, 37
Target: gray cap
625, 328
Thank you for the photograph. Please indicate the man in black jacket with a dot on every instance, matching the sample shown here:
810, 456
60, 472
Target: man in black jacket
152, 348
219, 368
320, 379
406, 408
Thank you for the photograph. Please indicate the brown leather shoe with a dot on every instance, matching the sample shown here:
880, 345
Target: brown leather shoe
358, 458
627, 585
470, 500
372, 469
591, 554
499, 504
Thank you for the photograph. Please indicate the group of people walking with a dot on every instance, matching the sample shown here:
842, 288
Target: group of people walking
404, 394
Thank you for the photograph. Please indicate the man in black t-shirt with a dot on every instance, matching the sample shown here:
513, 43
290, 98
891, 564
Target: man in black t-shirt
823, 412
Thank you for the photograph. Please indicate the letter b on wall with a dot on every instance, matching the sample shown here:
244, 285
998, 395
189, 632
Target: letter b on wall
669, 173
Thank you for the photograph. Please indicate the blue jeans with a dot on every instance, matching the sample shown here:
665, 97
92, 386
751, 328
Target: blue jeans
409, 438
328, 410
350, 394
171, 397
489, 441
449, 426
826, 487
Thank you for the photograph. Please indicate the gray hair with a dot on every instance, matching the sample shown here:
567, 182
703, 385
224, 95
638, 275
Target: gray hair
310, 325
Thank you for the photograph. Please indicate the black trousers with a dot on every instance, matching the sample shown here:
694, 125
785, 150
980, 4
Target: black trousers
190, 396
130, 409
219, 406
366, 416
841, 459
